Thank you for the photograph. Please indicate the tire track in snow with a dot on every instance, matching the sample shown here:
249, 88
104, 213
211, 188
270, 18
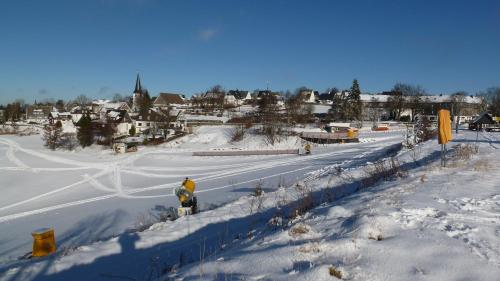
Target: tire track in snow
169, 185
95, 199
263, 166
52, 191
10, 153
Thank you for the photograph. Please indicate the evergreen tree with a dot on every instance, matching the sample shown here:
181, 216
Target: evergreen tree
145, 104
340, 107
52, 135
85, 134
132, 131
356, 109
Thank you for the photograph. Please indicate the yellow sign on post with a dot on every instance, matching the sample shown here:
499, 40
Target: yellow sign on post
44, 242
444, 126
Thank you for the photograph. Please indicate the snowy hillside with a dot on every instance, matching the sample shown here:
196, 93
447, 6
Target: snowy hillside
93, 194
424, 223
433, 224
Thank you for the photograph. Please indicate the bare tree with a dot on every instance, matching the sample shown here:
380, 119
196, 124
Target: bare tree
492, 99
405, 96
118, 98
215, 97
373, 110
82, 100
14, 111
457, 105
296, 109
269, 117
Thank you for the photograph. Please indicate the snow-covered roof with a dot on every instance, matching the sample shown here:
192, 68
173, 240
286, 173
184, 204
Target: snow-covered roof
56, 114
426, 98
101, 102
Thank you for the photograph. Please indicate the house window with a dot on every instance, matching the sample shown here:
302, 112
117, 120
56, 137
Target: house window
147, 124
139, 124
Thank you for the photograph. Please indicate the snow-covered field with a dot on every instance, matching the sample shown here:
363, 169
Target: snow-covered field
432, 223
93, 194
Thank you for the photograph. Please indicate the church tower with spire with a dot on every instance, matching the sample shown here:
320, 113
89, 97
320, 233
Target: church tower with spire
137, 95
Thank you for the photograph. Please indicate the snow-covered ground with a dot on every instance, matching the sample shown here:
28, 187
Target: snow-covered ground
92, 194
434, 224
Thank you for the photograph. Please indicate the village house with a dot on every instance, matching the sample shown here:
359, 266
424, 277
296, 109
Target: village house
309, 96
65, 118
169, 101
230, 100
103, 105
379, 106
156, 122
55, 116
209, 101
120, 119
238, 97
326, 98
38, 113
78, 111
111, 125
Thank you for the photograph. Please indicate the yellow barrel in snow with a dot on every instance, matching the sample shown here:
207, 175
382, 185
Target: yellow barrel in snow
351, 133
44, 242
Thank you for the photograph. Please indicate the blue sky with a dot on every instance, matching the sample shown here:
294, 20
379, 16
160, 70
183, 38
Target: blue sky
60, 49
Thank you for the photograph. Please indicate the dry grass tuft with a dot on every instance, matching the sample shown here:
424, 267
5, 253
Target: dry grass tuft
377, 237
309, 248
482, 165
298, 230
465, 151
423, 178
335, 272
385, 169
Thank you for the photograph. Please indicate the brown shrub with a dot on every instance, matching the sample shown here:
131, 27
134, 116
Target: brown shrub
298, 230
335, 272
465, 151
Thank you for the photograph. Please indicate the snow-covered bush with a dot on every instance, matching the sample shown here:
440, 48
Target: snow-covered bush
69, 141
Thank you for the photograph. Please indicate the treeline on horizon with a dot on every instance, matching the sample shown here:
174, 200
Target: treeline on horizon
18, 107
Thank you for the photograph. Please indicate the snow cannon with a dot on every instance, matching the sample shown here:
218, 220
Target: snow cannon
185, 194
185, 191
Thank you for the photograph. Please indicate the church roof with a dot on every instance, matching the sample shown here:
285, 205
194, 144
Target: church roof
138, 87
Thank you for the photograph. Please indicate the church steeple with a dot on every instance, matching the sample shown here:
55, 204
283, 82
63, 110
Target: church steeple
138, 88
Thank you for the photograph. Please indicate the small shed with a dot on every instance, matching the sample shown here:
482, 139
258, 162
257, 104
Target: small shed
483, 119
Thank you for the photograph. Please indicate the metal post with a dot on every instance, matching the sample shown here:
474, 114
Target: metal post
444, 155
